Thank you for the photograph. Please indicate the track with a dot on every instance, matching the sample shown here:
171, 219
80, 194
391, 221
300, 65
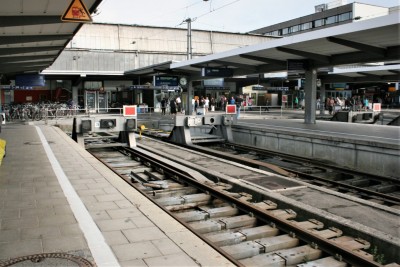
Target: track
248, 231
378, 189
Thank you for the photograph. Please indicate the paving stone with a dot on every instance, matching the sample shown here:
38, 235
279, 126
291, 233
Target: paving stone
115, 238
116, 224
143, 234
135, 251
180, 259
64, 243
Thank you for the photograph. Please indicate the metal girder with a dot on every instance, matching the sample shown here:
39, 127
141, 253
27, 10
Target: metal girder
264, 59
26, 63
237, 65
25, 58
334, 78
18, 69
359, 46
313, 56
21, 50
10, 21
368, 74
33, 38
394, 71
392, 53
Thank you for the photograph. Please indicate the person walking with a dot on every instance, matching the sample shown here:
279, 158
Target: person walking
238, 102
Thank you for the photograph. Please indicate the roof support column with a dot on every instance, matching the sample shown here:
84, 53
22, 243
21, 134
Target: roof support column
322, 99
190, 94
310, 96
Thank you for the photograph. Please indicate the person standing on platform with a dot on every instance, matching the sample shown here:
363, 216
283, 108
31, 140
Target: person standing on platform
172, 106
296, 102
163, 106
212, 104
206, 103
250, 103
366, 104
178, 103
223, 103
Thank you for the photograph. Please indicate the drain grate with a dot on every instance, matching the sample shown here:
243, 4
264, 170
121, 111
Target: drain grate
48, 259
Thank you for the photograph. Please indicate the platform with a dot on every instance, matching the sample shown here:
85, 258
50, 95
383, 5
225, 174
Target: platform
56, 198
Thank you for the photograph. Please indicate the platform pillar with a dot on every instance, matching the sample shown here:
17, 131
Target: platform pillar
310, 96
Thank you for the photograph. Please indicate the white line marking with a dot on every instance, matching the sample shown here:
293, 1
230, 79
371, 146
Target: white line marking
101, 252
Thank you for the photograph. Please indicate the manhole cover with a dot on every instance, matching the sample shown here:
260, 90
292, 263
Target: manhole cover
48, 259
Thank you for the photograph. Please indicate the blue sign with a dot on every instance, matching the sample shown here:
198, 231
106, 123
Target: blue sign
216, 72
29, 80
166, 80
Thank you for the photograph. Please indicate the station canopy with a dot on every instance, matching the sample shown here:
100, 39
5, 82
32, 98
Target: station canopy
33, 34
374, 43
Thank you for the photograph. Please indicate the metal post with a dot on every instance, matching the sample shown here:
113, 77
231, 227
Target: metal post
189, 38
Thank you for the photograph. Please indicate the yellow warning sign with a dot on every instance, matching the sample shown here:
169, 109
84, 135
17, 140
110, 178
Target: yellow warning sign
76, 12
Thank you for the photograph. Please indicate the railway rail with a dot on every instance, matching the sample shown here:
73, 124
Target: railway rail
378, 189
248, 231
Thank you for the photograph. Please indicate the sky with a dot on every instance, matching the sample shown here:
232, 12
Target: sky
214, 15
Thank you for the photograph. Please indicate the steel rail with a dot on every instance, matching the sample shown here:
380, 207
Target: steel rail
393, 200
322, 243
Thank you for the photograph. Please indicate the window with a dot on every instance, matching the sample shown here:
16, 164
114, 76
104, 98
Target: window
319, 23
295, 28
305, 26
93, 85
331, 20
345, 16
285, 31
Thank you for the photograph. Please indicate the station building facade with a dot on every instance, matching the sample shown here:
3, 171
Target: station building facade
95, 62
94, 66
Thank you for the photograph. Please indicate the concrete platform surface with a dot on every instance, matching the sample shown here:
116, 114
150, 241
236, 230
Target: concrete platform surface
56, 198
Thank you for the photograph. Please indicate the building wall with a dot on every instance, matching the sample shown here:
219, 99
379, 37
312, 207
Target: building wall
369, 11
114, 47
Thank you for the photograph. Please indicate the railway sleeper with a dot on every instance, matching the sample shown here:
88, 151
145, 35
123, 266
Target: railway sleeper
155, 175
205, 214
351, 242
383, 188
199, 198
174, 192
124, 164
328, 261
116, 159
284, 214
261, 246
285, 257
266, 205
328, 233
227, 239
309, 224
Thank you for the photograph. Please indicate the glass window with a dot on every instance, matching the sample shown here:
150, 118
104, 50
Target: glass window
319, 23
331, 20
305, 26
93, 84
345, 16
285, 31
295, 28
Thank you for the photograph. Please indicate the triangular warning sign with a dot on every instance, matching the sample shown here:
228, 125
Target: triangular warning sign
76, 12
